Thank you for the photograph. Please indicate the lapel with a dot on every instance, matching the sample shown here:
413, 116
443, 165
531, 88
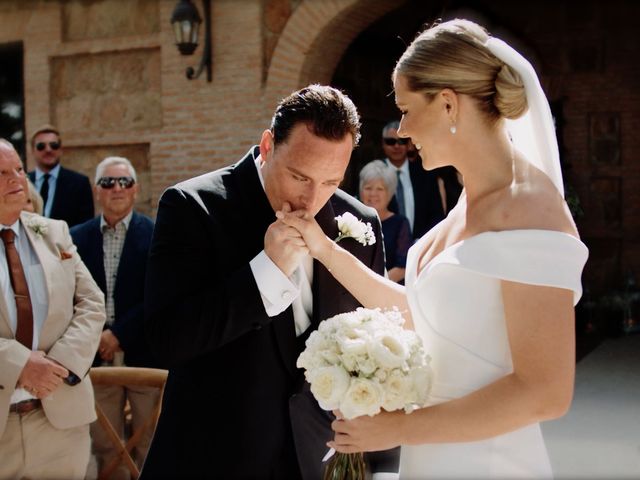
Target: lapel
4, 315
43, 252
128, 257
257, 212
258, 215
324, 285
95, 260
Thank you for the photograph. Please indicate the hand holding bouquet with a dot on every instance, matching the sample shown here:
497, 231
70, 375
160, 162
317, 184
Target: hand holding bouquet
361, 362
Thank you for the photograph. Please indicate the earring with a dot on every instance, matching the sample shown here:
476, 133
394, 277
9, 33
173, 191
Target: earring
418, 146
453, 129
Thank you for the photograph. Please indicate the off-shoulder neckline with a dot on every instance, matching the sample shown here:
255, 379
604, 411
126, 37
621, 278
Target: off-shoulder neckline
418, 272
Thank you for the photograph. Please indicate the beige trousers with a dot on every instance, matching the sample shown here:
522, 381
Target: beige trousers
112, 399
31, 448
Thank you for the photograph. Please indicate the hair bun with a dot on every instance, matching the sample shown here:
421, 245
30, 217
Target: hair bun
510, 98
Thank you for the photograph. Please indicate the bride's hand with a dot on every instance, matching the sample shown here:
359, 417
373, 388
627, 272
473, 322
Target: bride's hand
318, 243
368, 434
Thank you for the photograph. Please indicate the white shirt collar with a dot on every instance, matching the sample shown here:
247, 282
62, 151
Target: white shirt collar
403, 169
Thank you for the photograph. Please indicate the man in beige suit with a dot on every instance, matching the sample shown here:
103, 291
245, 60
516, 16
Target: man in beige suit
51, 317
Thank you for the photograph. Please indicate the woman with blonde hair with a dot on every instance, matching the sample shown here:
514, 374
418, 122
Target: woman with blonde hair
491, 289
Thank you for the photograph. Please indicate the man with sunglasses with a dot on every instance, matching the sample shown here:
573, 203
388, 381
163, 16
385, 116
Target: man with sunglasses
419, 196
114, 246
66, 194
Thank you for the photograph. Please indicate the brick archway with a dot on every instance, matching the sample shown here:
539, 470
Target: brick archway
313, 41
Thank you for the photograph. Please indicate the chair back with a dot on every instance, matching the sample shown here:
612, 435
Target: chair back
122, 376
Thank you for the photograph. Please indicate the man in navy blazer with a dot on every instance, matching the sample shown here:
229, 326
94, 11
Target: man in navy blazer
114, 247
232, 295
66, 194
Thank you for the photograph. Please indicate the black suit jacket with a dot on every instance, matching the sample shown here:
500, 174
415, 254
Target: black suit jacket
73, 201
128, 293
426, 194
233, 390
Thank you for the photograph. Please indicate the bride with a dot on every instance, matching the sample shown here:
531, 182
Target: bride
491, 289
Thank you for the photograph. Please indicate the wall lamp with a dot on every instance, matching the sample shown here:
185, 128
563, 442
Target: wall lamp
186, 21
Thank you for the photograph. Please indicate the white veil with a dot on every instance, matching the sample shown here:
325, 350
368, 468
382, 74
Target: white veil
533, 133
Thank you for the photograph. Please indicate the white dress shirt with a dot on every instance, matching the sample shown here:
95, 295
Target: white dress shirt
277, 290
34, 274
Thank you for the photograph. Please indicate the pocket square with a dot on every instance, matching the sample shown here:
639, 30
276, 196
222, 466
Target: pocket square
65, 256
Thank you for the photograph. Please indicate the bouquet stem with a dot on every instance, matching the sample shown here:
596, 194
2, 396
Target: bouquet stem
346, 466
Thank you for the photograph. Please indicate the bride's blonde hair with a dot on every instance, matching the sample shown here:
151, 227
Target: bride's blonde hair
452, 55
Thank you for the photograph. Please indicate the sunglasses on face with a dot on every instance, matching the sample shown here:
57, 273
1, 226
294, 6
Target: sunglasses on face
40, 146
110, 182
392, 141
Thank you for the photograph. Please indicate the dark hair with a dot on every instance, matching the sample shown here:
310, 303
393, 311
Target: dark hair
44, 129
327, 112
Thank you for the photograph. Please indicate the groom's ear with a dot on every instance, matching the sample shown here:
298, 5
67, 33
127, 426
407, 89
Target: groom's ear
266, 144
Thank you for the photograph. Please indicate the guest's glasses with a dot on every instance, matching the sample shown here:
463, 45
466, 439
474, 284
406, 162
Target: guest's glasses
110, 182
392, 141
40, 146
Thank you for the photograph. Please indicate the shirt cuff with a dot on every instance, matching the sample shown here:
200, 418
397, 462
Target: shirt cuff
276, 289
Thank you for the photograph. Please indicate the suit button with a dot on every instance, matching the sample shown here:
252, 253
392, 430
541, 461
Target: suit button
257, 326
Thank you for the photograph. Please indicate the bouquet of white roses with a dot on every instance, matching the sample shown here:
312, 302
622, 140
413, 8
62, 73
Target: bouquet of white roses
361, 362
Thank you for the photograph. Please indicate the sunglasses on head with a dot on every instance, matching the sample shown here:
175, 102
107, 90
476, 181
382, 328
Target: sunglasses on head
40, 146
110, 182
392, 141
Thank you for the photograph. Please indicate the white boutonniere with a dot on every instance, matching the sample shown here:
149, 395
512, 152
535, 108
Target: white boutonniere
39, 226
350, 227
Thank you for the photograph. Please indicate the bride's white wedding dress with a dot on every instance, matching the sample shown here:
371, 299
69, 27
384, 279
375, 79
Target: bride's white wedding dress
457, 309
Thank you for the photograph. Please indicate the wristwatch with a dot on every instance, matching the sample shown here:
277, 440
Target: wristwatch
72, 379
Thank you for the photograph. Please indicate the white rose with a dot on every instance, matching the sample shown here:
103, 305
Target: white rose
364, 397
349, 361
347, 224
389, 351
398, 389
352, 341
329, 355
329, 385
366, 365
350, 227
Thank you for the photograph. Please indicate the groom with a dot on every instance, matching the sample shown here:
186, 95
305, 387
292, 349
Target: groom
232, 295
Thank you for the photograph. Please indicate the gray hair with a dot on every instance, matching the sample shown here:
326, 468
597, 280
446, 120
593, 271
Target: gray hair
393, 125
7, 144
107, 162
379, 170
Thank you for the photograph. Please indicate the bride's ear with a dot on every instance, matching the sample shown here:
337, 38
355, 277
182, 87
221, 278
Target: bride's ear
450, 104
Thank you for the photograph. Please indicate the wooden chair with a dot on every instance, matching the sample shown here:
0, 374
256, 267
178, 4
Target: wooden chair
121, 376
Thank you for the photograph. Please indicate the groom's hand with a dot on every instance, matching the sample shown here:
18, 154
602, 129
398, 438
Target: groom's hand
284, 245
